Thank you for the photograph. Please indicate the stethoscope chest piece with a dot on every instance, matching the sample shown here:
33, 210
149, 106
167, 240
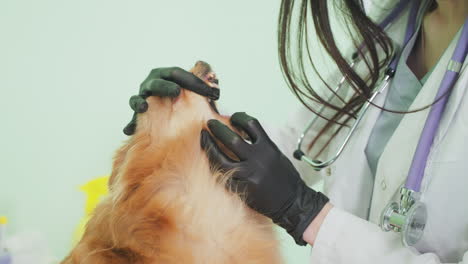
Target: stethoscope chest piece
408, 217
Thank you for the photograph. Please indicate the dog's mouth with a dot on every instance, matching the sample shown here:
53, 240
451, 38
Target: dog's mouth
211, 80
204, 71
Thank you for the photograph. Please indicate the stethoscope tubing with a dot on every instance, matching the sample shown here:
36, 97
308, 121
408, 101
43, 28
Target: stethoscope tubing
418, 165
409, 216
317, 164
415, 175
299, 154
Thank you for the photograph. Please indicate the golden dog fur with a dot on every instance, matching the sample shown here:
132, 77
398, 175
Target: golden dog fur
166, 205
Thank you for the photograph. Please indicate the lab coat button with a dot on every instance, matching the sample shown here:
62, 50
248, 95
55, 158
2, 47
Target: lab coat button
328, 171
383, 184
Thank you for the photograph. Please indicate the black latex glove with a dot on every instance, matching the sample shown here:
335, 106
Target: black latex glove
272, 185
166, 82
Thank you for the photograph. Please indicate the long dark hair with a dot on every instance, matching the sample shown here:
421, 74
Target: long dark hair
293, 35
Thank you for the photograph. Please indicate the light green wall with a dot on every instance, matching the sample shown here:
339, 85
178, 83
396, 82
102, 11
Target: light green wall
67, 69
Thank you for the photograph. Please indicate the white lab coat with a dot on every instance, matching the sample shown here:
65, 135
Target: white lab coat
350, 234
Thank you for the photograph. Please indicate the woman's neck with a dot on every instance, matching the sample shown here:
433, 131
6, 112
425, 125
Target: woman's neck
437, 31
451, 12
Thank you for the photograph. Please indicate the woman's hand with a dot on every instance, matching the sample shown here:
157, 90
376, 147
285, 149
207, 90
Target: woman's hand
166, 82
272, 185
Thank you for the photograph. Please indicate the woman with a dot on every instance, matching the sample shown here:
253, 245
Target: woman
343, 224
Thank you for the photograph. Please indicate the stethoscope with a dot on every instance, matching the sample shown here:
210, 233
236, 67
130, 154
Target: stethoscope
409, 215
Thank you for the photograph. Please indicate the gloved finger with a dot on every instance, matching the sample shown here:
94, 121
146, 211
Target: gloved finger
215, 155
187, 80
138, 104
159, 87
229, 138
130, 128
250, 125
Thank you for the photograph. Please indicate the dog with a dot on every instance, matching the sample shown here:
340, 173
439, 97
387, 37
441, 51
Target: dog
167, 204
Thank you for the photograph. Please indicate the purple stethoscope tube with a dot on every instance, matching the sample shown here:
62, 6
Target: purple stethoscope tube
409, 216
416, 172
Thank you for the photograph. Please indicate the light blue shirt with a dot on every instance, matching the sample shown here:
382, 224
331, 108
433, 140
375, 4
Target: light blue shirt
403, 89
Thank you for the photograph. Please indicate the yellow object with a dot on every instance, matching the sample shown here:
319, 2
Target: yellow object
3, 220
95, 190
